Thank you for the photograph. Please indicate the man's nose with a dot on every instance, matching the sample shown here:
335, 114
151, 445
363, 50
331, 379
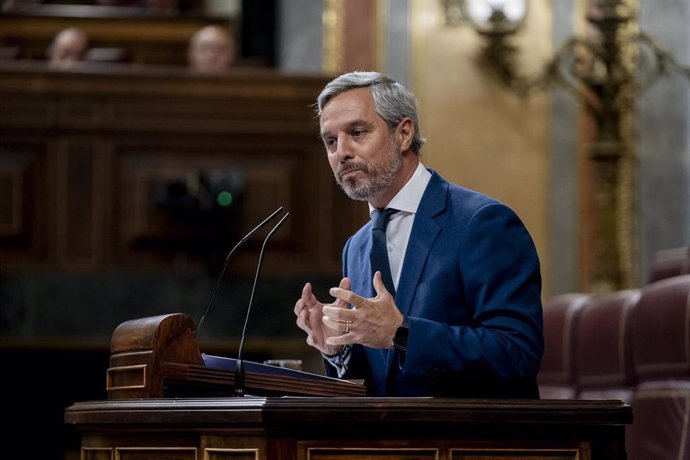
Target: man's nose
344, 149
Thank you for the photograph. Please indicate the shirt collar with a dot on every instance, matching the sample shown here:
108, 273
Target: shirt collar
409, 197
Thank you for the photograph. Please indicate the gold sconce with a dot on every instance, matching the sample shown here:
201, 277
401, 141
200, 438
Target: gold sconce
605, 69
587, 61
491, 16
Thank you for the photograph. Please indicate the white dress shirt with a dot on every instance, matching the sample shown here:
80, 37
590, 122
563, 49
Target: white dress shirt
400, 224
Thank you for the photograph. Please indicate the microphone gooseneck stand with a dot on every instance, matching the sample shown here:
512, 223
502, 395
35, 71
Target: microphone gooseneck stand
239, 368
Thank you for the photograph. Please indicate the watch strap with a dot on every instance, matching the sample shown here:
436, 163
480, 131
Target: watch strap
401, 335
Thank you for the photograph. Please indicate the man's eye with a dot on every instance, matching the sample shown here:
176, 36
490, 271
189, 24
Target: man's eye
358, 133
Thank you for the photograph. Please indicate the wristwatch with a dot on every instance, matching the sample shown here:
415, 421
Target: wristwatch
401, 334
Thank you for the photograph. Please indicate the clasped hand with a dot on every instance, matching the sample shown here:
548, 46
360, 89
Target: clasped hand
371, 322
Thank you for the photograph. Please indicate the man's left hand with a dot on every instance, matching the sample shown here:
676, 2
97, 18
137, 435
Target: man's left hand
372, 322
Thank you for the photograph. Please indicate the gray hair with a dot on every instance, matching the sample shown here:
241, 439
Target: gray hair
392, 101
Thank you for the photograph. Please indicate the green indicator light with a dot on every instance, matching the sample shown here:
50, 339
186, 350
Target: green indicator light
224, 198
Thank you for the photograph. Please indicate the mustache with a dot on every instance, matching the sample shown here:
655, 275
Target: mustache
347, 167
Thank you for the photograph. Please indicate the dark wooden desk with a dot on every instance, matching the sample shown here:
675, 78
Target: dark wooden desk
350, 428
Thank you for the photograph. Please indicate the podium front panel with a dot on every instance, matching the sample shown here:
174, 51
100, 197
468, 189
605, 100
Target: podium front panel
344, 428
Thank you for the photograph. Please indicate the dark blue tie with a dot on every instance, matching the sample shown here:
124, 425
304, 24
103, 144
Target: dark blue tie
379, 249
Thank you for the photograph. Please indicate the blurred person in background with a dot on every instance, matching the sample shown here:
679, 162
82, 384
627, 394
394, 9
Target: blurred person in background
211, 50
68, 46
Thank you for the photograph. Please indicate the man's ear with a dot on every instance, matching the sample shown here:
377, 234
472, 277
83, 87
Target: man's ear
406, 133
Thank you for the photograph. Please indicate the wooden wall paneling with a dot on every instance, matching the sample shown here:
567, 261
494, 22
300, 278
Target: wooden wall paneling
107, 190
203, 116
144, 172
21, 110
275, 176
80, 203
272, 141
79, 112
13, 172
24, 202
117, 138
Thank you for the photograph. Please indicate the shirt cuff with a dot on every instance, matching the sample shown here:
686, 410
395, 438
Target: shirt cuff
340, 360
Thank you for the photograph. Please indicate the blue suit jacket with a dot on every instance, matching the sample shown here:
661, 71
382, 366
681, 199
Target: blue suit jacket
471, 287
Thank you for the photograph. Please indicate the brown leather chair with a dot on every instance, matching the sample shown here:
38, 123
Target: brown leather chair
604, 360
670, 262
557, 376
661, 357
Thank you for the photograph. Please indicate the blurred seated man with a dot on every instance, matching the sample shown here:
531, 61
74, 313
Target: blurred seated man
68, 46
211, 50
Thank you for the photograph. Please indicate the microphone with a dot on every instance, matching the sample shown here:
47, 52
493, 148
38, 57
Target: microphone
239, 367
227, 260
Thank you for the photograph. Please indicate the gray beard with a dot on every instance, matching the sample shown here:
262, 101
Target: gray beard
379, 180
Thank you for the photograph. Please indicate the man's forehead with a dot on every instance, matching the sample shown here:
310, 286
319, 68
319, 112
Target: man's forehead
349, 107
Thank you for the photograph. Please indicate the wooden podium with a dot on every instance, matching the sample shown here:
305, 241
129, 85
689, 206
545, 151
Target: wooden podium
158, 356
142, 420
328, 428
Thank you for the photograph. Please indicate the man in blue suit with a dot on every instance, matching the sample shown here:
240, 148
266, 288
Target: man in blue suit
461, 315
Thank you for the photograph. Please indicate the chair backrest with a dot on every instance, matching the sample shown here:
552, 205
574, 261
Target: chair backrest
557, 376
604, 349
661, 357
670, 262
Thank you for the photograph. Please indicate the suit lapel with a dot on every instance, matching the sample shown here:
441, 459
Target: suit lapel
425, 230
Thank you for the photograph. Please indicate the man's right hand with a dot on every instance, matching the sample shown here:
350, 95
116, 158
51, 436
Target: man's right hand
309, 312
